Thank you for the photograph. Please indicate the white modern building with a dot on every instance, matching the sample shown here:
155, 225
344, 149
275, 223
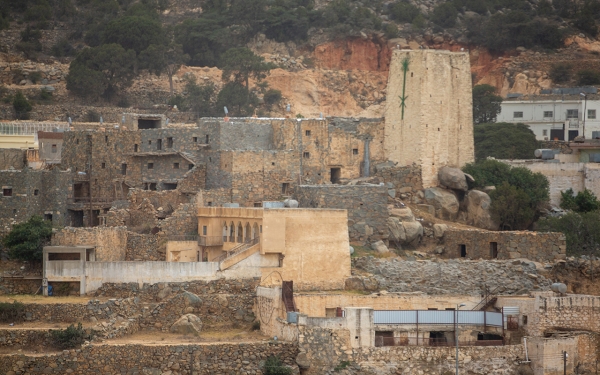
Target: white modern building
555, 117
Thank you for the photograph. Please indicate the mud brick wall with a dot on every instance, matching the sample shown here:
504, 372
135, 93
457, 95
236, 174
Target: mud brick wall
537, 246
243, 358
366, 205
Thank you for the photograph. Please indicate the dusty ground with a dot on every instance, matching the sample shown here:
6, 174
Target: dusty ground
28, 298
206, 337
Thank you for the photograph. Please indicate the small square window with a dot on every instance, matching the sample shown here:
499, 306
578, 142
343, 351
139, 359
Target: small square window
36, 192
54, 149
209, 204
592, 114
307, 133
150, 142
572, 113
354, 151
175, 165
545, 132
150, 165
7, 192
517, 114
103, 165
204, 230
306, 155
548, 114
195, 139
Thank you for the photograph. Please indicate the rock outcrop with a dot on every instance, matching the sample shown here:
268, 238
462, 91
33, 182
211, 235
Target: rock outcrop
188, 324
477, 205
444, 201
453, 178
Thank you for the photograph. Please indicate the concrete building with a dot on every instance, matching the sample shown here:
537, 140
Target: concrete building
429, 114
554, 117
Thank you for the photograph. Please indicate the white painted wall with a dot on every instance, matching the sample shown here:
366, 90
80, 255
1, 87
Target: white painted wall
533, 115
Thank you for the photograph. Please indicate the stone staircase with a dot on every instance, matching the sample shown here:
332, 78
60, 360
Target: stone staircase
238, 253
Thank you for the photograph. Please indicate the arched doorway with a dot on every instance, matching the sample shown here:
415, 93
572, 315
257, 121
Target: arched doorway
248, 233
225, 232
255, 231
231, 232
240, 233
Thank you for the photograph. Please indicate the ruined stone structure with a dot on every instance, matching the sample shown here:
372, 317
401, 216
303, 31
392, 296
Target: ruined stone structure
429, 115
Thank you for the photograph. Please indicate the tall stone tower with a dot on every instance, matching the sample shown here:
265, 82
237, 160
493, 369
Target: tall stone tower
429, 111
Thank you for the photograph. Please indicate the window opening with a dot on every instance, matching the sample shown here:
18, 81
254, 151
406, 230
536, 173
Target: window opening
463, 250
159, 144
175, 165
7, 192
150, 165
124, 169
493, 250
169, 142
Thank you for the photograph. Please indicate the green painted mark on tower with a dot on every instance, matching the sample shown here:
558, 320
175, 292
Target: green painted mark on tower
405, 64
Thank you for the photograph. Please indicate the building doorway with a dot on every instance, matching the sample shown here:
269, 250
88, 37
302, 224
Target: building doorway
336, 175
462, 250
493, 250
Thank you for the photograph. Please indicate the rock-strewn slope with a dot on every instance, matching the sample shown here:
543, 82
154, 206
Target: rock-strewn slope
454, 276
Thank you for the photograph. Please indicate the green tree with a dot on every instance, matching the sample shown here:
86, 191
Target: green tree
101, 71
22, 106
26, 240
519, 194
239, 64
587, 77
238, 99
504, 141
584, 201
561, 72
134, 33
511, 207
486, 104
582, 231
199, 98
403, 11
203, 39
164, 58
444, 15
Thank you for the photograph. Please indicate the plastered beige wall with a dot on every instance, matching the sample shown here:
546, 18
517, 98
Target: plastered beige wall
437, 128
182, 251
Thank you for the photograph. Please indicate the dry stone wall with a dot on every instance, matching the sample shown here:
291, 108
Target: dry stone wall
366, 205
536, 246
573, 312
454, 276
243, 359
110, 242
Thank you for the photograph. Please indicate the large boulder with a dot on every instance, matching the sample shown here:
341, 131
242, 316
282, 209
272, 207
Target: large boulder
453, 178
404, 214
396, 230
188, 324
413, 230
477, 205
380, 247
444, 201
439, 230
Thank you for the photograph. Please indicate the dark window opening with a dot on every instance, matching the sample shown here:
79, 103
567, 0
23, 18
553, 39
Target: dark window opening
284, 187
77, 141
190, 166
48, 217
209, 204
306, 155
336, 175
135, 148
207, 139
257, 204
195, 139
437, 338
14, 211
273, 163
124, 169
151, 186
210, 160
493, 250
175, 165
148, 124
482, 336
463, 250
524, 319
170, 142
307, 133
64, 256
103, 165
36, 192
7, 192
150, 165
54, 149
159, 144
384, 338
106, 139
432, 308
204, 230
354, 151
149, 142
168, 186
573, 134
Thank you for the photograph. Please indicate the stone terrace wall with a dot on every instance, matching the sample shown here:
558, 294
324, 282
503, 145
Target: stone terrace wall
406, 179
144, 247
244, 358
24, 338
453, 276
574, 312
366, 205
537, 246
326, 348
110, 242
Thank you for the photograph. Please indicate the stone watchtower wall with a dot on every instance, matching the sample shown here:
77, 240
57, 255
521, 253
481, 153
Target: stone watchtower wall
436, 128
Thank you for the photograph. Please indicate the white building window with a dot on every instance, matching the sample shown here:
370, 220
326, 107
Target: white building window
517, 114
545, 132
592, 114
548, 114
572, 113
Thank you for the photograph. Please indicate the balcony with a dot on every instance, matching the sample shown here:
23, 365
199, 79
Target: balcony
573, 123
210, 240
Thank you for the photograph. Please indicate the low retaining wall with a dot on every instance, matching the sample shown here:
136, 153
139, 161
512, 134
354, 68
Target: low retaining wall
138, 359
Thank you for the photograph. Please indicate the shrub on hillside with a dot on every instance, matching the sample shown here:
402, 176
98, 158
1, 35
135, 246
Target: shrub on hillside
68, 338
584, 201
11, 312
588, 77
560, 73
